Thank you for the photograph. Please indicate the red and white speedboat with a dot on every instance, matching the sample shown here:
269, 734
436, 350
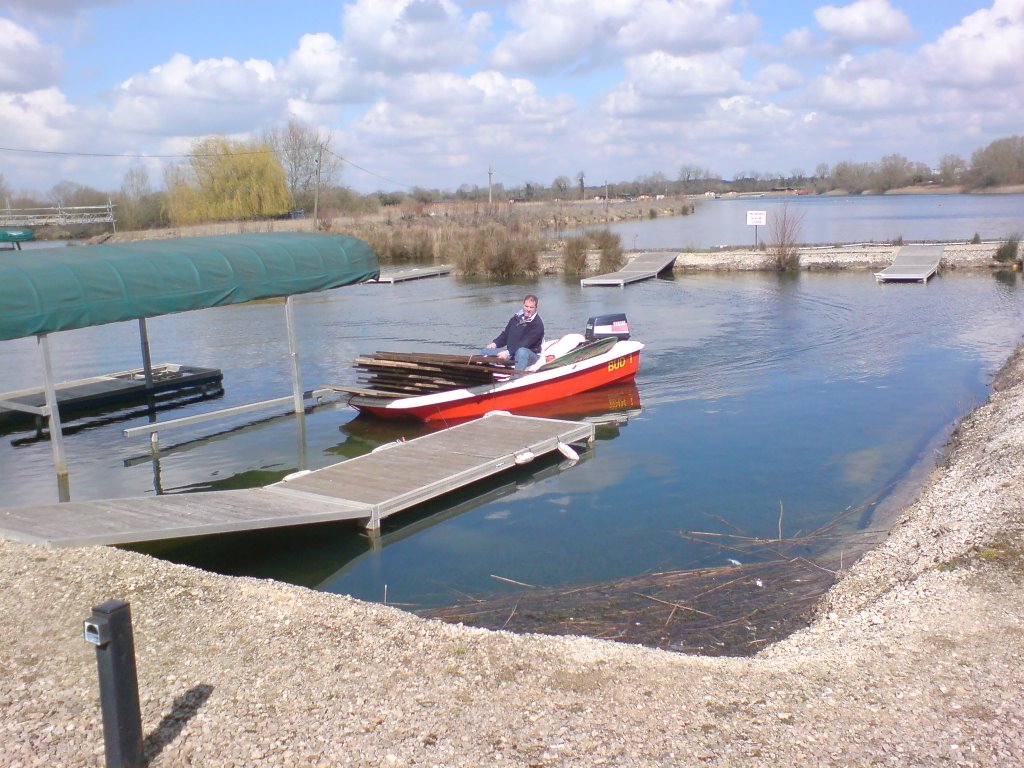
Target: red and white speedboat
569, 365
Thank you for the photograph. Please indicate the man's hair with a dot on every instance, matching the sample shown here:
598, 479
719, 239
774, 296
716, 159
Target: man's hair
530, 296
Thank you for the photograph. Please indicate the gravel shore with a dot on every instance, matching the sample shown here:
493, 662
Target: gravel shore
914, 659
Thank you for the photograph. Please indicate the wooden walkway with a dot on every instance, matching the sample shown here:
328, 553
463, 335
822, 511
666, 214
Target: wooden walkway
392, 478
915, 263
642, 267
413, 273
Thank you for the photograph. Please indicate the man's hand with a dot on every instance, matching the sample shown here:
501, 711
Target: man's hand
503, 355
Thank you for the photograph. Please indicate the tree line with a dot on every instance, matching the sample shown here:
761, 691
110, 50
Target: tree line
292, 169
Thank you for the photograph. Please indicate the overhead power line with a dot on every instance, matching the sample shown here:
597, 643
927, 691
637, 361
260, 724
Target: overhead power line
344, 160
128, 154
371, 173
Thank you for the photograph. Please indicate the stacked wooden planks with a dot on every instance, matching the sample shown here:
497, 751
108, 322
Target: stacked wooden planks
407, 374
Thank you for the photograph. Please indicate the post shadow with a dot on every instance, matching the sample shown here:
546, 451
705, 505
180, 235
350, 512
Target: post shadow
184, 709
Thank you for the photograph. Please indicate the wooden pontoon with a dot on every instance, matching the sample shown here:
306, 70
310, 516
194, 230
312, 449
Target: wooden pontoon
112, 390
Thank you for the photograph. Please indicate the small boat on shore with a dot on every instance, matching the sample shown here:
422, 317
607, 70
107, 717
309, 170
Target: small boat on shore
432, 387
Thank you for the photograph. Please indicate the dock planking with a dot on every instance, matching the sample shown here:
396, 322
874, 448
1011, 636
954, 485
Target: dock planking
643, 266
413, 273
393, 478
913, 263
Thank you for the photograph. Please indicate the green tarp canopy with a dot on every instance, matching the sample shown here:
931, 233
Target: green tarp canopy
57, 289
16, 235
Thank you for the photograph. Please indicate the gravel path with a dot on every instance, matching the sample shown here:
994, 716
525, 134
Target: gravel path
914, 660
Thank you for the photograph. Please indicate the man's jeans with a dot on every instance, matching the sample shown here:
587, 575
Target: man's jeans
524, 357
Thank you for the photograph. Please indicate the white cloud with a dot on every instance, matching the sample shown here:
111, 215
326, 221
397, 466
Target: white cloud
407, 35
208, 96
660, 84
779, 77
986, 48
685, 26
38, 119
865, 22
56, 7
26, 64
321, 71
444, 122
583, 34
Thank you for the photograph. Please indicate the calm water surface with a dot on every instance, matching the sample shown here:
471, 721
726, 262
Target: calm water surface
866, 218
815, 393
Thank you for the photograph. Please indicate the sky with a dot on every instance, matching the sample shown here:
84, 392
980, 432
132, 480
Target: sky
437, 93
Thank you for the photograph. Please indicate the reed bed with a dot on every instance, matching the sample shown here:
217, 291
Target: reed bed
499, 241
766, 590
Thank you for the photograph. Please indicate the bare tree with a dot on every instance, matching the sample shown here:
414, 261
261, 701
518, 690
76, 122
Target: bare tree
135, 192
1001, 162
302, 153
784, 232
952, 169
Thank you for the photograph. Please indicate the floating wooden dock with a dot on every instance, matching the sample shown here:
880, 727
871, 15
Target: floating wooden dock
643, 267
392, 478
916, 263
414, 273
111, 389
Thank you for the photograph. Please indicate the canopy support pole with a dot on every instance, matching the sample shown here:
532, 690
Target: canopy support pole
147, 361
293, 353
60, 462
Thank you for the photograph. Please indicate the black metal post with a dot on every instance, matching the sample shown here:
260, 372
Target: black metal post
110, 630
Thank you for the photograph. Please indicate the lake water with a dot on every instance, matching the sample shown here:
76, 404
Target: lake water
865, 218
812, 393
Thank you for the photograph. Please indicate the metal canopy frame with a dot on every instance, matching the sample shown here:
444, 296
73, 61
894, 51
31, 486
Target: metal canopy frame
51, 411
326, 258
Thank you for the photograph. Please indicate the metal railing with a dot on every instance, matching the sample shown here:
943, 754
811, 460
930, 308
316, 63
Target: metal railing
78, 214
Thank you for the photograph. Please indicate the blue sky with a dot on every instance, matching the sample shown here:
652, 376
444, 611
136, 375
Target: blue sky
431, 93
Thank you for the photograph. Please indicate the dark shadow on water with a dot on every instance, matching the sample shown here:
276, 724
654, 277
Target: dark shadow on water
83, 420
185, 707
315, 555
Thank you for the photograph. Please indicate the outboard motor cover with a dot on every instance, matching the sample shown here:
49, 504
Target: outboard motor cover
605, 326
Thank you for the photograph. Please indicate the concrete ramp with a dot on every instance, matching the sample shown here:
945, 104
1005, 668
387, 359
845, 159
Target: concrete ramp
913, 263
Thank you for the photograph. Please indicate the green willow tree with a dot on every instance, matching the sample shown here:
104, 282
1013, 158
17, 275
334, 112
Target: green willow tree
227, 180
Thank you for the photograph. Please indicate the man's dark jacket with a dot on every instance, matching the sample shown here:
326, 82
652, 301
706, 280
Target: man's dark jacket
520, 333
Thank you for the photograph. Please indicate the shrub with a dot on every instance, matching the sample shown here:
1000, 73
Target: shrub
575, 255
976, 240
610, 246
1008, 249
652, 214
784, 231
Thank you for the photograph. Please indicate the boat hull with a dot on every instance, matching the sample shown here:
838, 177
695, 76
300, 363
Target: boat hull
621, 363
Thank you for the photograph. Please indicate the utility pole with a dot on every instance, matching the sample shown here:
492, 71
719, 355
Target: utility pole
316, 191
490, 177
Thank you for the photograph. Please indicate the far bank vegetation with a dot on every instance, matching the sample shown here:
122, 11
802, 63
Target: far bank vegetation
292, 172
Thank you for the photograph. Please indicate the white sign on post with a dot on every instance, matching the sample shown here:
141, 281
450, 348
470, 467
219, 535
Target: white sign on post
756, 219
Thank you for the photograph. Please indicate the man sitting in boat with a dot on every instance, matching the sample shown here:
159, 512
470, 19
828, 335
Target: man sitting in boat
521, 340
